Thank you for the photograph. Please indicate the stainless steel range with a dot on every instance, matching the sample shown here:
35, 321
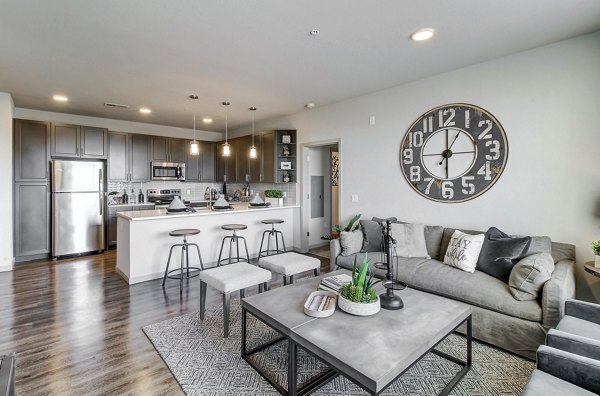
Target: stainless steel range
162, 198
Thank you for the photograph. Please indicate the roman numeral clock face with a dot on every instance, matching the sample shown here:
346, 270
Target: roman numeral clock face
454, 153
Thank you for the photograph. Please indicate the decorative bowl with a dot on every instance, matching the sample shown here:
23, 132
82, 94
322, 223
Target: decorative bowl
359, 309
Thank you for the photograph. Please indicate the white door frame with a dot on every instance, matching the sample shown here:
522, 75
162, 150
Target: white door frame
305, 187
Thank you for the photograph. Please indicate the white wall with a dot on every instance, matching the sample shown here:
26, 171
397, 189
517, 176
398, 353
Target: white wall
6, 178
547, 99
116, 125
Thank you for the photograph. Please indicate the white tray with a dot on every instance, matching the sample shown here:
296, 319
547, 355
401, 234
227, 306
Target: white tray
325, 310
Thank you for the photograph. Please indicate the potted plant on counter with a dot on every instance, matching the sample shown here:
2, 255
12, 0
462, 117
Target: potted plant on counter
359, 297
275, 197
596, 249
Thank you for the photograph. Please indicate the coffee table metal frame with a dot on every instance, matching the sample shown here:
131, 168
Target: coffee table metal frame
331, 373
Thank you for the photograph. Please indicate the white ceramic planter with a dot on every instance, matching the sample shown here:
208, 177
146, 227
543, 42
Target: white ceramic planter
275, 201
359, 309
597, 261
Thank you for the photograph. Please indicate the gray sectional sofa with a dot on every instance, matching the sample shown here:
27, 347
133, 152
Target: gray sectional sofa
498, 318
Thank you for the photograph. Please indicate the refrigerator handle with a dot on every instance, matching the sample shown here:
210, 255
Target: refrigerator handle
100, 189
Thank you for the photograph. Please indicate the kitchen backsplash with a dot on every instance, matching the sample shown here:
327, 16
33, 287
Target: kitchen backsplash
195, 191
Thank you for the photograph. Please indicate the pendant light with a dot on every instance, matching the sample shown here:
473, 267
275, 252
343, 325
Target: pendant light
252, 148
194, 146
226, 148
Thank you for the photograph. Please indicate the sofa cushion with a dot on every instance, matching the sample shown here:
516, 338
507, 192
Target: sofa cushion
529, 275
433, 239
410, 239
477, 288
351, 242
500, 252
463, 251
373, 235
446, 240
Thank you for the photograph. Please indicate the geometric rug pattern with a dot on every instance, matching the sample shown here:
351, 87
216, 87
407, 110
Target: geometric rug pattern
205, 363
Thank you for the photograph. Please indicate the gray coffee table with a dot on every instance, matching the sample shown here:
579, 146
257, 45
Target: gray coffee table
370, 351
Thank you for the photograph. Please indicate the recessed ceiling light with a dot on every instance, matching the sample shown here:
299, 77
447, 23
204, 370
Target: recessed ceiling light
422, 34
314, 32
145, 110
60, 98
207, 120
310, 105
192, 96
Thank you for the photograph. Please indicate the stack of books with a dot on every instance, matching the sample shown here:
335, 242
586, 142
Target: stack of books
335, 282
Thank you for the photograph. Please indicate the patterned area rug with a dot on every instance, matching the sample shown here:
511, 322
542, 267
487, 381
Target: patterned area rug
204, 363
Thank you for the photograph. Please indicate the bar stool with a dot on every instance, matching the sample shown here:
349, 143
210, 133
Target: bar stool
184, 270
269, 234
234, 238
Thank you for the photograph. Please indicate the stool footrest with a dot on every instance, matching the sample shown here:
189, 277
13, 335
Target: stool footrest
178, 274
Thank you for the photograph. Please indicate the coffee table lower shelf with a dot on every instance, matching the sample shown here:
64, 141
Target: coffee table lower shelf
328, 375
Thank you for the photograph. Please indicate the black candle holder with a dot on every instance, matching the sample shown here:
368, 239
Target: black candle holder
388, 299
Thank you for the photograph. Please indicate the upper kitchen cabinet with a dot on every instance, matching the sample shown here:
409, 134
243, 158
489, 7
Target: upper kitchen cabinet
128, 157
267, 157
166, 149
226, 166
207, 161
74, 141
94, 142
31, 150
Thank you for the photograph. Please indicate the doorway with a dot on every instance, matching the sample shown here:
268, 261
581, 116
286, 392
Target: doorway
321, 194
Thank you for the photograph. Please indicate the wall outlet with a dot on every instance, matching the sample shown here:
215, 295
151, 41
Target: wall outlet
354, 198
284, 194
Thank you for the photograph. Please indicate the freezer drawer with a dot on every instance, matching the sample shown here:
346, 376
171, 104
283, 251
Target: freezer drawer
78, 223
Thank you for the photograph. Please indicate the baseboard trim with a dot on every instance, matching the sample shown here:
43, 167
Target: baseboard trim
6, 268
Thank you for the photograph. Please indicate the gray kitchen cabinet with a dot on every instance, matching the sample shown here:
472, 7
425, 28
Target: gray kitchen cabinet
118, 156
254, 164
201, 167
94, 142
267, 174
31, 220
166, 149
140, 158
227, 166
128, 157
177, 150
74, 141
65, 141
31, 150
207, 161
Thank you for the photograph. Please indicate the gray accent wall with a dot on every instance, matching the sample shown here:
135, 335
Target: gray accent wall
547, 99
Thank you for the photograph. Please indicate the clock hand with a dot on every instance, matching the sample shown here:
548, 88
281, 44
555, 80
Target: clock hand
455, 137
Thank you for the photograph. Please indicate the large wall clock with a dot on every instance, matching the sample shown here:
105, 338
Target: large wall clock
454, 152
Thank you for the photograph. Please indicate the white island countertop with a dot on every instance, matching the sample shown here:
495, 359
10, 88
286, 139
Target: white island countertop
153, 214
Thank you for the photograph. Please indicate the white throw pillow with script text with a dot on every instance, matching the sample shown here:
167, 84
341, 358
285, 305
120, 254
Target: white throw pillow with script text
463, 251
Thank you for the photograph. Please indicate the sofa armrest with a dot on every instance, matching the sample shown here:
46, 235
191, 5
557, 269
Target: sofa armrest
335, 249
578, 370
557, 290
576, 344
583, 310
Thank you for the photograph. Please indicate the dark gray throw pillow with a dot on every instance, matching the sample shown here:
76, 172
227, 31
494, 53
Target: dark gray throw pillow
500, 252
373, 235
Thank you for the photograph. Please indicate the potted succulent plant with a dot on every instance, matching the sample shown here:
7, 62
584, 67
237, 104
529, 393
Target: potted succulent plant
359, 297
596, 249
275, 197
336, 229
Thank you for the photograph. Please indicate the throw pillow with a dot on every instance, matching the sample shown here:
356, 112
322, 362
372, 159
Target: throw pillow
410, 240
380, 220
529, 275
448, 232
463, 251
500, 252
372, 235
351, 242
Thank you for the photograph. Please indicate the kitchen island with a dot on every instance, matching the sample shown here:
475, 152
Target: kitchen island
143, 236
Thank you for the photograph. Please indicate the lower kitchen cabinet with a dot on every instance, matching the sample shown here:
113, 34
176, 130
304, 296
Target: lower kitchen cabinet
32, 220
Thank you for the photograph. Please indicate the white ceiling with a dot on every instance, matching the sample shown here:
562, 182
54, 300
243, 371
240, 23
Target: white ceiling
254, 53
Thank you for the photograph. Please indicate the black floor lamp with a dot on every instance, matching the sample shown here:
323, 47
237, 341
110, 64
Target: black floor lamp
388, 299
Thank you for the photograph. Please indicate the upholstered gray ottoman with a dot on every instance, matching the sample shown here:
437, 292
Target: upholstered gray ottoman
290, 264
231, 278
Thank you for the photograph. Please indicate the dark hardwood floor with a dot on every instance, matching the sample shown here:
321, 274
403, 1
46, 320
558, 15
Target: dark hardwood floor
76, 327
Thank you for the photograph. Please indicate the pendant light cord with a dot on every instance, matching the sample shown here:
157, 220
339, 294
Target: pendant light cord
194, 126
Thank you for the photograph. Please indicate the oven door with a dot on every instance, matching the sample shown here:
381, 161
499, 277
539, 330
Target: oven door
168, 171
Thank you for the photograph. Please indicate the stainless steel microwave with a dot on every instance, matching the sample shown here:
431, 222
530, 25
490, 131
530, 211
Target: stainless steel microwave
168, 171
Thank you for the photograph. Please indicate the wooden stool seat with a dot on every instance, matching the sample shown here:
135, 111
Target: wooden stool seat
184, 232
272, 221
234, 227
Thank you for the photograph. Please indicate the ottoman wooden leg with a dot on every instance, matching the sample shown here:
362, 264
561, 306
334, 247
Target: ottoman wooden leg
226, 307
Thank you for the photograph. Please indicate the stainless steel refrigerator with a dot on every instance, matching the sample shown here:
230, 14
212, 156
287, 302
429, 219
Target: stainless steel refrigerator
78, 199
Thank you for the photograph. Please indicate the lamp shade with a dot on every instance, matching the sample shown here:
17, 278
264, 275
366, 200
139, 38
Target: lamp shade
194, 148
226, 150
252, 152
